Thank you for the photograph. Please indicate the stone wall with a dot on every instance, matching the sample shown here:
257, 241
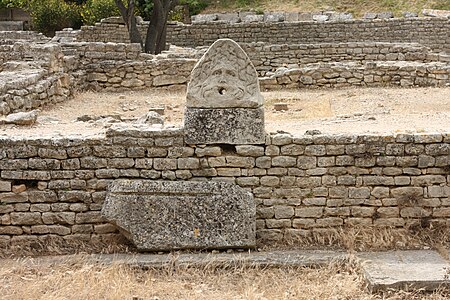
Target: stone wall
116, 67
30, 36
269, 57
390, 73
32, 75
430, 32
35, 74
56, 186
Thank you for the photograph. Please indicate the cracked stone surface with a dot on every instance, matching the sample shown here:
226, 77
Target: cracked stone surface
424, 269
165, 215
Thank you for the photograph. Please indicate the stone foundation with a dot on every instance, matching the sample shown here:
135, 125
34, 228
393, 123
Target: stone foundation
57, 186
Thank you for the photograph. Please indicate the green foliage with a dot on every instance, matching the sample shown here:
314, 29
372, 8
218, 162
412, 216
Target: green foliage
95, 10
13, 3
144, 8
52, 15
445, 5
195, 6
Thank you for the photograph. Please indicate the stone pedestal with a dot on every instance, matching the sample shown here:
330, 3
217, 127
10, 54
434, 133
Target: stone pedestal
224, 126
170, 215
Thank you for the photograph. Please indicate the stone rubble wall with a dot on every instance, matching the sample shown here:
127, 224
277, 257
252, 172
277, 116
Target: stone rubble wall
32, 75
30, 36
35, 74
430, 32
117, 67
370, 74
56, 186
269, 57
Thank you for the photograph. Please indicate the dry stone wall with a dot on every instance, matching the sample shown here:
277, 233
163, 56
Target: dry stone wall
116, 67
268, 58
391, 73
430, 32
56, 186
32, 75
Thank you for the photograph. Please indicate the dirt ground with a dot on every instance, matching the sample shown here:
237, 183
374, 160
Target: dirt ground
352, 110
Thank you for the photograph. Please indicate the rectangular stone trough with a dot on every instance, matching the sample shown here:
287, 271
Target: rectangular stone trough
167, 215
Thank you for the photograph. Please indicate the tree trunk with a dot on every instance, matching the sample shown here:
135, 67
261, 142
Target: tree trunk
129, 18
155, 41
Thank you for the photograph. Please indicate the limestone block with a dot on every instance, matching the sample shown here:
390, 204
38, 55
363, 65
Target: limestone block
5, 186
253, 18
224, 126
163, 80
163, 215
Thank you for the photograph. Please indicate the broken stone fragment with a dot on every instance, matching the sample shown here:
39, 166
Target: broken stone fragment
21, 118
151, 118
165, 215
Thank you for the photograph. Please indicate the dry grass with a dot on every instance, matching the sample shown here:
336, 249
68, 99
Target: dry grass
357, 7
55, 245
79, 279
419, 235
367, 238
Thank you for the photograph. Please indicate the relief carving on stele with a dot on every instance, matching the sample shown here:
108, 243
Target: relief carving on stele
224, 78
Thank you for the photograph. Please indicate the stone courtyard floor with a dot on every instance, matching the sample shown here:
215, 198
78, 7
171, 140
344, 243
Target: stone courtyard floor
350, 110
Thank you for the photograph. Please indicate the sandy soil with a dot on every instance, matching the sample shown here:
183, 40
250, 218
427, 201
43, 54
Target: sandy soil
352, 110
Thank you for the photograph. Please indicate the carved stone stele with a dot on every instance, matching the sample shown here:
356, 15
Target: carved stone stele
224, 104
224, 78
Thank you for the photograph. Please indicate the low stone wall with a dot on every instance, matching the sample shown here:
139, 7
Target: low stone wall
35, 74
116, 67
430, 32
56, 186
399, 73
31, 36
268, 58
32, 75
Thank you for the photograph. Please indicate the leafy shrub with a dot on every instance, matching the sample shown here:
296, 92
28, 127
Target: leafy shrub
52, 15
195, 6
95, 10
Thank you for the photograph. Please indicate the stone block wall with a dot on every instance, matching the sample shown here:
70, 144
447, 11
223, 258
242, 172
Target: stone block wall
9, 37
389, 73
117, 67
269, 57
32, 75
430, 32
56, 186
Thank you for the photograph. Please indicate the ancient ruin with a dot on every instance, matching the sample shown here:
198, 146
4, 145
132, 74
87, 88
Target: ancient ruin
223, 101
55, 186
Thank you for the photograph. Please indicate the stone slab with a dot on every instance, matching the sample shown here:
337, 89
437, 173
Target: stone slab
424, 269
166, 215
235, 126
293, 258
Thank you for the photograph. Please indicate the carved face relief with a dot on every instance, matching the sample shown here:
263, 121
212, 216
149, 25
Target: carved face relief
223, 84
224, 78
